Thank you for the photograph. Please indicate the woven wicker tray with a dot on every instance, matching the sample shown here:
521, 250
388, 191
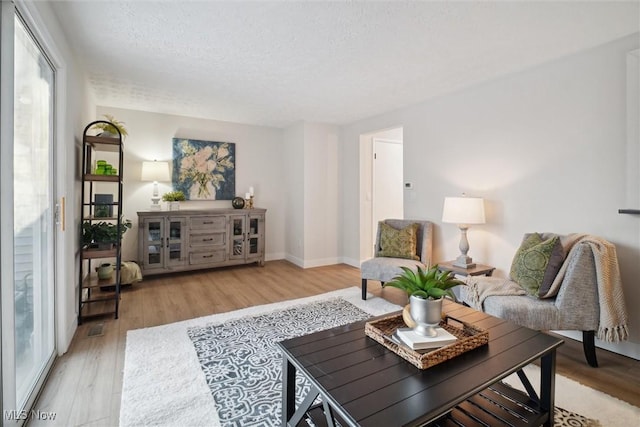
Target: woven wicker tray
469, 337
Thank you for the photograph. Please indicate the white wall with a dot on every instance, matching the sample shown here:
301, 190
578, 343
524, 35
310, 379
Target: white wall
72, 100
312, 176
259, 163
545, 147
293, 168
321, 245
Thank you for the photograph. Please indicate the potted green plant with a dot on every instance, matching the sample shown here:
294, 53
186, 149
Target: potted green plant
102, 234
173, 198
426, 289
111, 129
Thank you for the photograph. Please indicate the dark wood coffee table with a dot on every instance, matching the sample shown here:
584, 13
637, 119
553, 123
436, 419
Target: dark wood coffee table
361, 383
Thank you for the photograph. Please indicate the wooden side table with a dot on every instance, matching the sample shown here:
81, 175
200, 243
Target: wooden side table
478, 270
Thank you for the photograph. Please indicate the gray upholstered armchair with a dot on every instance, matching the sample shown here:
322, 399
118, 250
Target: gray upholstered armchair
589, 296
385, 268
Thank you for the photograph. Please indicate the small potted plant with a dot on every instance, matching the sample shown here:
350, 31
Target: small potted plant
111, 129
102, 234
174, 198
426, 289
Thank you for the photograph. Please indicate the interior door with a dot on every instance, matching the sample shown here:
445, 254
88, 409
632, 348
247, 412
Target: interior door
27, 224
388, 194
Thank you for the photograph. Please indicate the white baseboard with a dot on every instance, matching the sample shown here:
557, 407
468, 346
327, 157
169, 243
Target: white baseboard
304, 263
350, 261
66, 331
274, 256
321, 262
295, 260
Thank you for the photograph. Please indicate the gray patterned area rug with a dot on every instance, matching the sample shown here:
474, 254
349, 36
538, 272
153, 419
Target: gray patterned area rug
564, 418
243, 366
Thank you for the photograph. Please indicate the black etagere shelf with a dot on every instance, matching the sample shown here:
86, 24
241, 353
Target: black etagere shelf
100, 297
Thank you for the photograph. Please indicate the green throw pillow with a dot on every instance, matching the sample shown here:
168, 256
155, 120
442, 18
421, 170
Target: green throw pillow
398, 243
536, 264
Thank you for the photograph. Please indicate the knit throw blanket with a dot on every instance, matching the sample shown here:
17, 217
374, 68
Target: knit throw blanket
613, 313
480, 288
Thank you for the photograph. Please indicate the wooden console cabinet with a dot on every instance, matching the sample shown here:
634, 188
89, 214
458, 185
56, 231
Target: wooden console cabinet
171, 241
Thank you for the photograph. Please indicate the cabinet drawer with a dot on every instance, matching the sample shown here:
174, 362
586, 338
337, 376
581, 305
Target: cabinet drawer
208, 222
208, 257
207, 239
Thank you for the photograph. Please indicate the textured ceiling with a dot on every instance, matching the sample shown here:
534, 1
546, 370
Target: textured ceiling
276, 63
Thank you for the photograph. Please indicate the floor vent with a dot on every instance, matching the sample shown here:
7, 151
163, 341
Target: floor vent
96, 330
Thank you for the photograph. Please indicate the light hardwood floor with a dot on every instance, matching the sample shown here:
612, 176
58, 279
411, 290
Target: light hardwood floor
84, 387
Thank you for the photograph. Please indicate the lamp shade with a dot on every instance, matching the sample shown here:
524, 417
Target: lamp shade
155, 171
463, 210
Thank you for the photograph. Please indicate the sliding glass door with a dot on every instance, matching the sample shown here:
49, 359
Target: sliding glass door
28, 327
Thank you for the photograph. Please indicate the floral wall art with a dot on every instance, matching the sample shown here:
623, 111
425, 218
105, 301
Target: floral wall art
204, 170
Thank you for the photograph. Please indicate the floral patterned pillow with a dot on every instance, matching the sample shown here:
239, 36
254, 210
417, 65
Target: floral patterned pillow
398, 243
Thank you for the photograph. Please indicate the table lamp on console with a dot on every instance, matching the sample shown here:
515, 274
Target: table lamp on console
157, 172
463, 211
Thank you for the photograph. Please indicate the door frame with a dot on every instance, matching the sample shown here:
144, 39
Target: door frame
365, 182
62, 242
633, 129
7, 290
66, 237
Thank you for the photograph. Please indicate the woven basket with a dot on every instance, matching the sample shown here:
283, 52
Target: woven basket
469, 337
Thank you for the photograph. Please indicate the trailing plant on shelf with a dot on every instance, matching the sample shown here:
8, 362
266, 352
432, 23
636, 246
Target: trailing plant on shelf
102, 232
174, 196
112, 126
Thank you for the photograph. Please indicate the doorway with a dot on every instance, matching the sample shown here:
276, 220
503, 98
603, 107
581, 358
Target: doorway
27, 265
381, 177
387, 200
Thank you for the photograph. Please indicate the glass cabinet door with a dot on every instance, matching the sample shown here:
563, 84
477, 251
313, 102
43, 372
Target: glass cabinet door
253, 235
153, 243
237, 237
255, 246
175, 241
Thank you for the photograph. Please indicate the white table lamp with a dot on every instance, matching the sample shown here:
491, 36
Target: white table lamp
463, 211
155, 171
